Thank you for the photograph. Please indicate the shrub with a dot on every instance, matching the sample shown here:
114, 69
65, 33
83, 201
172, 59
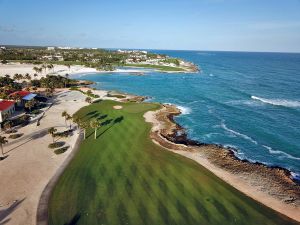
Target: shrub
11, 131
115, 96
61, 150
63, 134
56, 144
36, 111
15, 136
73, 88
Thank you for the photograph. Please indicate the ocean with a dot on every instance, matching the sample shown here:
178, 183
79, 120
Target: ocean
247, 101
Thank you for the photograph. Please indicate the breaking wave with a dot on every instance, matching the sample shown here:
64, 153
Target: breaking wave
184, 110
223, 125
278, 102
277, 152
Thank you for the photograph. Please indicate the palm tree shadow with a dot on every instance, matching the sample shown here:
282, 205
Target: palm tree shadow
115, 121
74, 220
33, 137
6, 212
2, 158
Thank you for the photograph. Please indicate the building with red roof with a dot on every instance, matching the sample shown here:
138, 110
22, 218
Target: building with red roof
21, 97
22, 94
7, 108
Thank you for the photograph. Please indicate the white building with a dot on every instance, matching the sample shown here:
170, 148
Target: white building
51, 48
7, 108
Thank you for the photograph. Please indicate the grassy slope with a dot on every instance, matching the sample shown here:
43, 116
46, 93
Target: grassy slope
123, 178
161, 68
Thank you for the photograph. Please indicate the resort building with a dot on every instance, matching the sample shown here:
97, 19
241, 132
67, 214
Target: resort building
7, 108
22, 97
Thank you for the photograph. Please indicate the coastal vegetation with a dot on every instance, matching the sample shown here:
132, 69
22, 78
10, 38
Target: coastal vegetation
120, 176
158, 67
101, 59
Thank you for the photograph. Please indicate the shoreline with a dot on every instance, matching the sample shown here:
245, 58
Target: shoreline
271, 186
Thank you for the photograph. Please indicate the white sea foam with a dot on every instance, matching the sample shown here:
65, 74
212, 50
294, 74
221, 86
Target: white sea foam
277, 152
244, 102
223, 125
295, 176
184, 110
233, 147
278, 102
209, 135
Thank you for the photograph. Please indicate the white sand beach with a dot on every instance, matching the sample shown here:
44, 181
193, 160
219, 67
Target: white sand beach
13, 68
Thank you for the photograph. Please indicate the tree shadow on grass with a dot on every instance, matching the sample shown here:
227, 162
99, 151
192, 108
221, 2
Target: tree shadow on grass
119, 119
6, 212
115, 121
102, 117
91, 113
88, 114
74, 220
107, 122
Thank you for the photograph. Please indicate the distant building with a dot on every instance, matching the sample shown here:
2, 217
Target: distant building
58, 58
53, 57
65, 48
7, 108
2, 47
51, 48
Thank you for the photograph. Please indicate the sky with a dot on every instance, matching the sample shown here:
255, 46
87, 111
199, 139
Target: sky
222, 25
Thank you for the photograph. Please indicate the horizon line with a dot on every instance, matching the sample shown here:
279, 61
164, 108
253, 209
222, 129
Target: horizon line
153, 49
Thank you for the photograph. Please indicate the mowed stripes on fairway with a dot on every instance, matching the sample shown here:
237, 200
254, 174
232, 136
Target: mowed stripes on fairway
122, 177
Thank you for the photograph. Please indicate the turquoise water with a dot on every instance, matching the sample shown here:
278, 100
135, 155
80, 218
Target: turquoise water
249, 101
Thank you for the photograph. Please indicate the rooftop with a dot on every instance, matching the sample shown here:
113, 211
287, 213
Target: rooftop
21, 93
4, 104
29, 97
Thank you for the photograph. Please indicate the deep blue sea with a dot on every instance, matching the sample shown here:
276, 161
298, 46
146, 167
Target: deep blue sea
249, 101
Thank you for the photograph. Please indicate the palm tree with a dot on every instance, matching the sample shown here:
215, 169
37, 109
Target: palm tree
17, 97
44, 67
69, 117
88, 99
40, 70
68, 65
3, 141
16, 77
30, 104
50, 66
94, 123
52, 131
89, 92
64, 114
27, 76
76, 120
84, 126
8, 125
36, 69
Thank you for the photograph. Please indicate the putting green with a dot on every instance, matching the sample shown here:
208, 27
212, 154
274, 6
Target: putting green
124, 178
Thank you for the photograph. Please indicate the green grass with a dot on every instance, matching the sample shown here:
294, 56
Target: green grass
161, 68
124, 178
